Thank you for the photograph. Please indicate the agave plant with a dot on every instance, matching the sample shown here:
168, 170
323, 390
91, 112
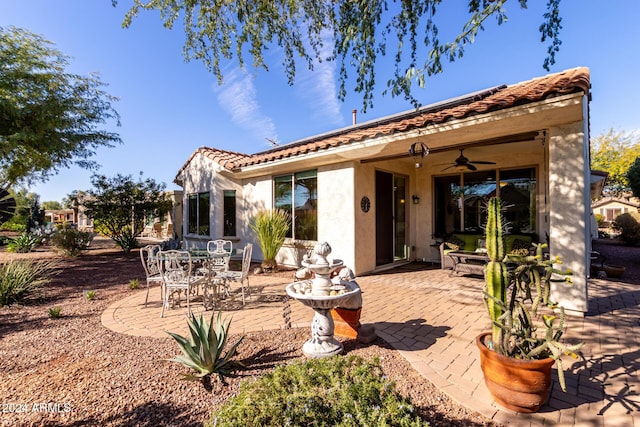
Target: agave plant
204, 352
24, 243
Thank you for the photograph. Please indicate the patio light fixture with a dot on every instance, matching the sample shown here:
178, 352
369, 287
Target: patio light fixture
416, 199
418, 151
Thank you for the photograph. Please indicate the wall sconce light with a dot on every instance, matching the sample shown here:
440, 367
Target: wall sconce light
418, 151
416, 199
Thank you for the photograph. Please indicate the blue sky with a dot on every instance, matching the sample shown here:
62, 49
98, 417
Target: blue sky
169, 107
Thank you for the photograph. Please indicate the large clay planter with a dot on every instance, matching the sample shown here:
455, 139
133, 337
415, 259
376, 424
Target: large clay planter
346, 321
518, 385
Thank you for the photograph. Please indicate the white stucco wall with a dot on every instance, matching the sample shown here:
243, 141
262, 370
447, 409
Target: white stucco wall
336, 211
568, 221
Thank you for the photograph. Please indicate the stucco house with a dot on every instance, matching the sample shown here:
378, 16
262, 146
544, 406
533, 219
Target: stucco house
72, 217
386, 191
610, 207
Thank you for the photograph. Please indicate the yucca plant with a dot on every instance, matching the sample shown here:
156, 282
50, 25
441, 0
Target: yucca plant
271, 227
23, 279
204, 351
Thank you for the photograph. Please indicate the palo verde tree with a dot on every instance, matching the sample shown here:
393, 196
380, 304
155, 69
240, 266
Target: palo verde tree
362, 32
615, 152
120, 206
49, 118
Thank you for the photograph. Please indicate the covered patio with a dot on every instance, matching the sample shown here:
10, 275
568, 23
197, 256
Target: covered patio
432, 319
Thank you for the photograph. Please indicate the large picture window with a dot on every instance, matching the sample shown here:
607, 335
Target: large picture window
198, 214
298, 195
460, 200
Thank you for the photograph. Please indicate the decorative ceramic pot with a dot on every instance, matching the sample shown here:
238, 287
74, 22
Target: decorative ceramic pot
515, 384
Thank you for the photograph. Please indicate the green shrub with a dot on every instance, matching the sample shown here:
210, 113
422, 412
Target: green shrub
629, 226
13, 225
55, 312
134, 284
72, 241
203, 352
90, 295
21, 280
336, 391
25, 242
271, 227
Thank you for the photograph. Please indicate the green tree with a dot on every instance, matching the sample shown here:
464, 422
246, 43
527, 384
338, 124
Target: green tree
362, 32
120, 206
633, 177
49, 118
615, 152
51, 205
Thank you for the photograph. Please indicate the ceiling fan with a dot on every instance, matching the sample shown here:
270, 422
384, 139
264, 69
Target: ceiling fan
7, 206
464, 164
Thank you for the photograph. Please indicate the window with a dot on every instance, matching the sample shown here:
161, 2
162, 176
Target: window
612, 213
229, 212
198, 214
297, 194
459, 200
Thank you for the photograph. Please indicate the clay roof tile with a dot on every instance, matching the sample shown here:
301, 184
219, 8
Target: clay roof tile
569, 81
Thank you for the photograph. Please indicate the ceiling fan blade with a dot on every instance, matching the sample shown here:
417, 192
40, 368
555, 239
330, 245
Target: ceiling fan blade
449, 167
471, 167
482, 162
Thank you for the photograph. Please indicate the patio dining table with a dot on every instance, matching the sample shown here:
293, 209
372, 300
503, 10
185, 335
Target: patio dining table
468, 262
205, 274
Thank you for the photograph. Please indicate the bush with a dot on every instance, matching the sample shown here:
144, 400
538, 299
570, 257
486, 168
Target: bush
336, 391
629, 226
13, 226
72, 241
21, 280
24, 243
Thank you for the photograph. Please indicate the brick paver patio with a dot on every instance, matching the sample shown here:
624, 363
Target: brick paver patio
433, 319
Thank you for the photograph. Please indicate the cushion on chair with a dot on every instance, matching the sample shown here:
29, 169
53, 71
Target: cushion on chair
470, 241
456, 243
517, 242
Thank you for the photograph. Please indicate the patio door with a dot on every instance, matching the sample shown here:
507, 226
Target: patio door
391, 218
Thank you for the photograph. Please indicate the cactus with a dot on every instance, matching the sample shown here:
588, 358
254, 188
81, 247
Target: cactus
517, 288
496, 273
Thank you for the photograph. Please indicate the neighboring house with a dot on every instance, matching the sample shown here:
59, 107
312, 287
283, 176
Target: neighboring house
378, 204
170, 226
611, 207
69, 216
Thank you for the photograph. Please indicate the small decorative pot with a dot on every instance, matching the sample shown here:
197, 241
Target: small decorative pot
515, 384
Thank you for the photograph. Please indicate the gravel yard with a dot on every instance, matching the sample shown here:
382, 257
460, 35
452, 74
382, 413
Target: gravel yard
72, 371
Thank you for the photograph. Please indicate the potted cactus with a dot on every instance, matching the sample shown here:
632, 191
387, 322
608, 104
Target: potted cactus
524, 343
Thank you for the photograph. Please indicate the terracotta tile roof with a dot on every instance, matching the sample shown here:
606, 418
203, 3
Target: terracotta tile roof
501, 97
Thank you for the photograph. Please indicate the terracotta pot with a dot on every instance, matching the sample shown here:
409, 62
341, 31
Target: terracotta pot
346, 321
518, 385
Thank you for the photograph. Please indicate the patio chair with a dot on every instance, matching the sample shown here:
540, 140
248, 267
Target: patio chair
149, 258
220, 246
176, 268
157, 230
243, 274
